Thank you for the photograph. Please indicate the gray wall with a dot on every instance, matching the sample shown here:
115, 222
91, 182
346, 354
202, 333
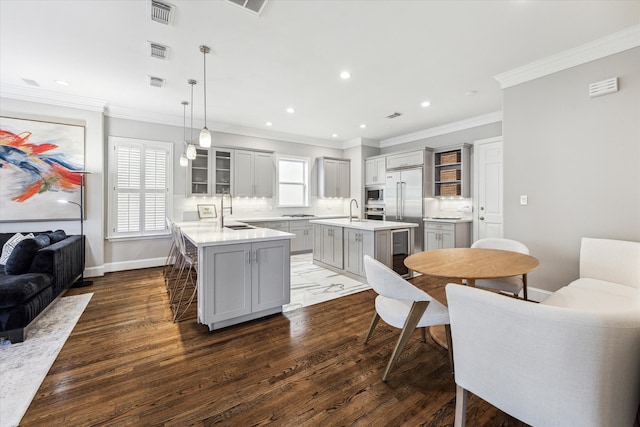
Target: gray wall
578, 160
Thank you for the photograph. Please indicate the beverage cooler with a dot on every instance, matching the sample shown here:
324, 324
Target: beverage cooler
400, 249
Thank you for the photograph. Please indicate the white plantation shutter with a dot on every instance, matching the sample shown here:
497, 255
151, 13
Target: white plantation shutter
140, 181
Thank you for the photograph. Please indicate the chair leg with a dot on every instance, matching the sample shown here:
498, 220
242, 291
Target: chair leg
447, 330
374, 322
423, 331
461, 407
417, 310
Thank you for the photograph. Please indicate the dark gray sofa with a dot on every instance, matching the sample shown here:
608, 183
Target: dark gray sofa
49, 269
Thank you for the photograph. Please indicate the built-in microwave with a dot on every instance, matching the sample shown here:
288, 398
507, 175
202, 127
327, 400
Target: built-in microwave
374, 195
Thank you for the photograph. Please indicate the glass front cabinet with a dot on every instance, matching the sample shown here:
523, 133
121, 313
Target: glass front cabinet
198, 173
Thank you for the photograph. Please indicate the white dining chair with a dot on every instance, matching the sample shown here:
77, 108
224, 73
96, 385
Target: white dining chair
402, 305
513, 284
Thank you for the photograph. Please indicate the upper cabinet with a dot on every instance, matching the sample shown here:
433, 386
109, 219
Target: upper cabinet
405, 160
375, 169
451, 172
222, 176
254, 173
198, 174
334, 177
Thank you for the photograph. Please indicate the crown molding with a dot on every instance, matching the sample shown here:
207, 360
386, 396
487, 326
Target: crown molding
360, 141
52, 98
597, 49
469, 123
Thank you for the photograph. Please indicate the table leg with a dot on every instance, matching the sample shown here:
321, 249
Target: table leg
524, 286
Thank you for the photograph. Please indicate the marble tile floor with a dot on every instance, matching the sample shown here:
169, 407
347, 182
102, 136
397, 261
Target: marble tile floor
312, 284
23, 366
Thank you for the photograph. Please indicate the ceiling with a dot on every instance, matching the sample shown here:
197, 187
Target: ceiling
400, 53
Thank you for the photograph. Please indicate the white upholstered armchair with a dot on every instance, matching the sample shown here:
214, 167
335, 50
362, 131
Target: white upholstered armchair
545, 365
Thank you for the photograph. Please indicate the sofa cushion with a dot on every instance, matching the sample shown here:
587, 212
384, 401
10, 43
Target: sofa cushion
10, 245
591, 300
15, 290
20, 259
606, 287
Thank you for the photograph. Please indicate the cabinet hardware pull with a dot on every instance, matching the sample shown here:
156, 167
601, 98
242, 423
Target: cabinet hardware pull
481, 218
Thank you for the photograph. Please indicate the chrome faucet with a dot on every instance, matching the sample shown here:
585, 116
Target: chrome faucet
351, 204
222, 208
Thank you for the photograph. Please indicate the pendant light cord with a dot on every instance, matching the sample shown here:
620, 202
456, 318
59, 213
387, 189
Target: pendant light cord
204, 53
192, 82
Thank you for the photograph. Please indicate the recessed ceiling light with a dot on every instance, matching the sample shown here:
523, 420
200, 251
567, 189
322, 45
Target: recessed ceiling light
425, 103
363, 126
470, 92
335, 135
63, 83
345, 75
290, 110
269, 123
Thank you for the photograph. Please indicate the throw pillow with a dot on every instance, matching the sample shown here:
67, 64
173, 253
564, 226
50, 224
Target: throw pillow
11, 244
56, 236
22, 255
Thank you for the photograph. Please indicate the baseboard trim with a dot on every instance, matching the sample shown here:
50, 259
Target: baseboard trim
537, 294
134, 265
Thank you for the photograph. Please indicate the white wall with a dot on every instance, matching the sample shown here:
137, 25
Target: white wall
578, 161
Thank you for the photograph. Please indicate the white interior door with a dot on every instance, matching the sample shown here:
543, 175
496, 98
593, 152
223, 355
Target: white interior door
489, 210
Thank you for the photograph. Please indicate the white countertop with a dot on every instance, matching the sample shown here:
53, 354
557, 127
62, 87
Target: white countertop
287, 218
209, 233
451, 220
367, 224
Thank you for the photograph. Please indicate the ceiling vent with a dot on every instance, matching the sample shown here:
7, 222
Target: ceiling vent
30, 82
159, 51
253, 6
156, 81
394, 115
603, 87
161, 12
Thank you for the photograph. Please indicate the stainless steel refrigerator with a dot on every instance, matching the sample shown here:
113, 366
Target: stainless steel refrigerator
403, 200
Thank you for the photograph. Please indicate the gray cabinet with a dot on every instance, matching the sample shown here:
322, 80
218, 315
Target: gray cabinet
243, 281
334, 177
254, 174
451, 172
406, 160
357, 244
374, 171
440, 235
327, 246
303, 242
198, 173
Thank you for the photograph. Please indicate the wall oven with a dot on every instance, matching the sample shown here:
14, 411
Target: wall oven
374, 212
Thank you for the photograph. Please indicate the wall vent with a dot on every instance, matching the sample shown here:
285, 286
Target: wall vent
161, 12
603, 87
254, 6
156, 81
394, 115
159, 51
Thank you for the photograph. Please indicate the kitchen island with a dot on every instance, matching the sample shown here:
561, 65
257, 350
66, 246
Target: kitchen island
244, 272
340, 244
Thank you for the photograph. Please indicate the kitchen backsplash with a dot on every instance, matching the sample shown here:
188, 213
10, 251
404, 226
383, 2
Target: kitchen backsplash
186, 208
462, 208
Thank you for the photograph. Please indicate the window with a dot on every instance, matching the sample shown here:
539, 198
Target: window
293, 181
140, 183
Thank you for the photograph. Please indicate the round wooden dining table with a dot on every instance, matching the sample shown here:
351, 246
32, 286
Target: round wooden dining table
470, 264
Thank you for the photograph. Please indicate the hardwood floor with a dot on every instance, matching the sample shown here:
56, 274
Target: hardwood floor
126, 363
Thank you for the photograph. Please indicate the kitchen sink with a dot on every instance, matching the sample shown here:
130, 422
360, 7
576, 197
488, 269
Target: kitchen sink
239, 227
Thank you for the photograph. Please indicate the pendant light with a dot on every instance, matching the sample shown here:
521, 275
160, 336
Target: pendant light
183, 158
205, 135
191, 149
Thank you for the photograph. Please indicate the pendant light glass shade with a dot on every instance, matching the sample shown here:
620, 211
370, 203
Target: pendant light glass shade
205, 135
183, 160
191, 152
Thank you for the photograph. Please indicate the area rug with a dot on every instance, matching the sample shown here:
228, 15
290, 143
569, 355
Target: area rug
312, 284
23, 366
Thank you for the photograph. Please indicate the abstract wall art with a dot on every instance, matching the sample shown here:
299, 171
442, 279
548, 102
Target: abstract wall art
37, 164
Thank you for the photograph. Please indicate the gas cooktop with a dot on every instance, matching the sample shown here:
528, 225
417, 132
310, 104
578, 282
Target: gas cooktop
299, 215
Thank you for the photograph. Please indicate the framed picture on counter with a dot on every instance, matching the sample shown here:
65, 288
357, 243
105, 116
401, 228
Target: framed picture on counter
207, 211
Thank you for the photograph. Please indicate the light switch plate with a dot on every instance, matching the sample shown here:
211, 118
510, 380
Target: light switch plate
523, 200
